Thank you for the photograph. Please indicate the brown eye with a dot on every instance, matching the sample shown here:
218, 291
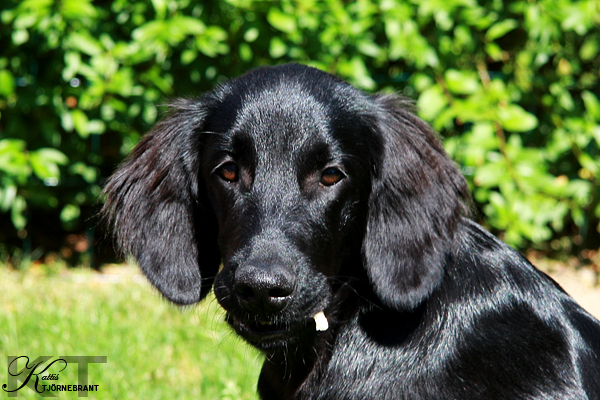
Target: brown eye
228, 172
331, 176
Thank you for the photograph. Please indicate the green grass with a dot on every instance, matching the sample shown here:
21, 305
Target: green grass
155, 350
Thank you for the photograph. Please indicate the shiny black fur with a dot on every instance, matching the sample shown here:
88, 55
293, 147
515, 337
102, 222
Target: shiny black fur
422, 303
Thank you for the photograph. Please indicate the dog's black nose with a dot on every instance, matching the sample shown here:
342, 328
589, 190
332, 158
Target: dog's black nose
264, 289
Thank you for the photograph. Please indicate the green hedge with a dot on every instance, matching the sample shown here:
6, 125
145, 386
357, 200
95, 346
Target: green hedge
513, 86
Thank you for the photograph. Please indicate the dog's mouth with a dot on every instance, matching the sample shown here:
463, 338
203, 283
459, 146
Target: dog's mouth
262, 329
266, 333
261, 333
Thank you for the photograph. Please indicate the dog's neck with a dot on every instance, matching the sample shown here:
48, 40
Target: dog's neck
299, 367
286, 370
302, 369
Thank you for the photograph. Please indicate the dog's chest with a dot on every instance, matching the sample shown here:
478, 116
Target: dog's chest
361, 368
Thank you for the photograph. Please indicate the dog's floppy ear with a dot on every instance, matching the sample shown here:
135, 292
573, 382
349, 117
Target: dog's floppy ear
157, 208
415, 205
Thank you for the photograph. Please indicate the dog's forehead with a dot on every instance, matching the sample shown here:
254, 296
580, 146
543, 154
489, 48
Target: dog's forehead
284, 118
303, 118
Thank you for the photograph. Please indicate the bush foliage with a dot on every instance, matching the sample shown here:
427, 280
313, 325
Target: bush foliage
513, 86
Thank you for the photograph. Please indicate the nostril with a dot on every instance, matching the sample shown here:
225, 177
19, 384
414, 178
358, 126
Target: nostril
244, 289
264, 289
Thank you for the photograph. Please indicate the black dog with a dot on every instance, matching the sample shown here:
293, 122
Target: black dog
347, 257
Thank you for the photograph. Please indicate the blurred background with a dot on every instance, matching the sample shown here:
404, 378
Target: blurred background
512, 86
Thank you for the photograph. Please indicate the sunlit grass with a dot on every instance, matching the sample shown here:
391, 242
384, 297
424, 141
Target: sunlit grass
154, 350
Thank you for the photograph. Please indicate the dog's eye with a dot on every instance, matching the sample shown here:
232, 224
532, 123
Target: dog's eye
228, 172
331, 176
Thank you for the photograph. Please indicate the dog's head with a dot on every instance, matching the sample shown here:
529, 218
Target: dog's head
294, 180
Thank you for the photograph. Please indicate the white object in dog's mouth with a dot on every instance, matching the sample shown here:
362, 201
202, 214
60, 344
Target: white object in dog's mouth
321, 321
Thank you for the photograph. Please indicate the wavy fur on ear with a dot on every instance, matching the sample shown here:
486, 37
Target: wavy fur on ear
415, 205
158, 210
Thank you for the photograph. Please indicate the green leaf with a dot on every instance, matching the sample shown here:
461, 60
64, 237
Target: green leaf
160, 6
462, 82
77, 9
150, 31
7, 83
96, 126
171, 31
80, 122
592, 105
149, 114
245, 52
494, 51
369, 48
251, 35
281, 21
188, 56
51, 155
46, 161
84, 43
89, 174
69, 215
589, 49
589, 163
189, 25
277, 48
490, 175
596, 134
513, 118
18, 208
159, 80
500, 29
576, 19
8, 194
72, 65
14, 159
20, 37
213, 41
356, 69
431, 102
121, 83
25, 21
